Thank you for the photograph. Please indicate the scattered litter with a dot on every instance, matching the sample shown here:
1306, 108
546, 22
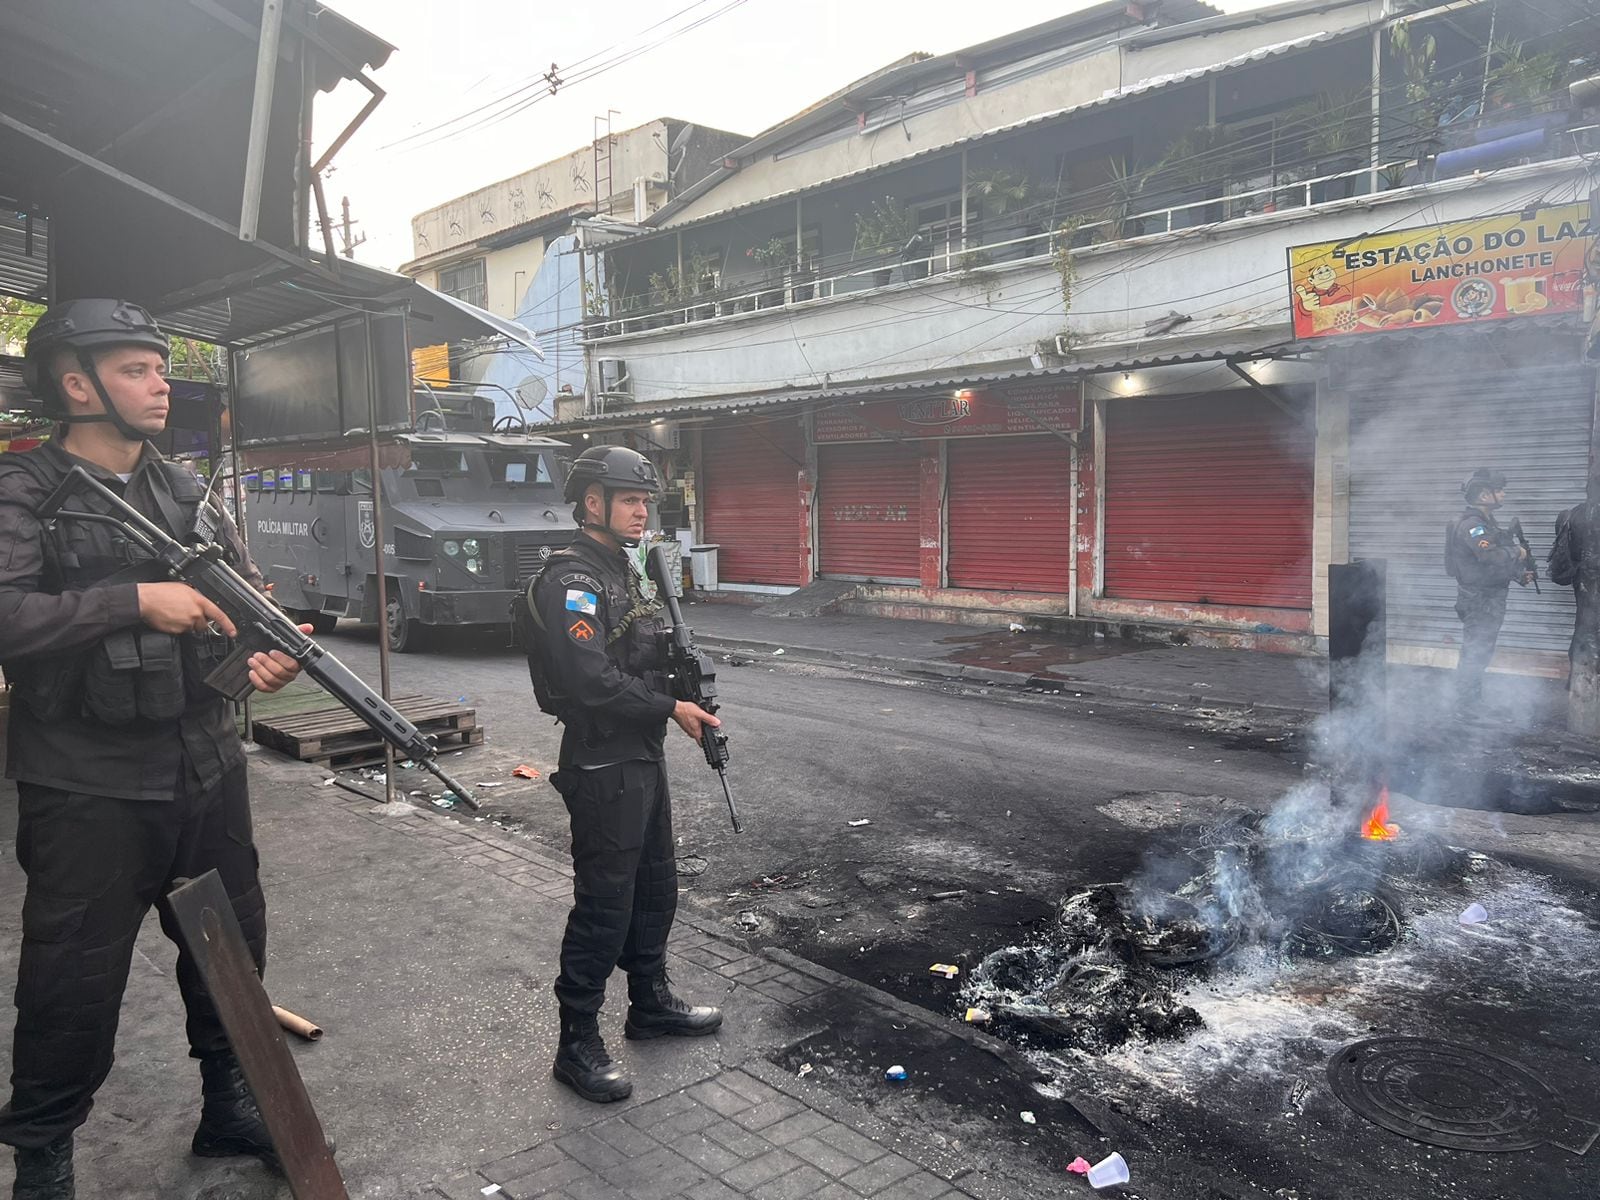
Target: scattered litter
1018, 627
1009, 888
457, 754
418, 792
1108, 1172
328, 782
1029, 1119
749, 920
524, 771
492, 1190
952, 895
896, 1074
1079, 1166
979, 1016
692, 866
860, 823
552, 1126
502, 782
1474, 914
779, 650
945, 969
805, 1069
407, 765
734, 660
461, 699
448, 800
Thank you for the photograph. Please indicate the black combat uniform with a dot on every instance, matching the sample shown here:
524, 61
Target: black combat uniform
1483, 560
601, 648
114, 803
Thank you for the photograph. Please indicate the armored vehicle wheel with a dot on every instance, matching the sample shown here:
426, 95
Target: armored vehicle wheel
404, 636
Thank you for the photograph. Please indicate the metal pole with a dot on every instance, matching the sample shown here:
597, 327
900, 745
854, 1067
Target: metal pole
377, 543
238, 488
255, 154
1377, 122
963, 198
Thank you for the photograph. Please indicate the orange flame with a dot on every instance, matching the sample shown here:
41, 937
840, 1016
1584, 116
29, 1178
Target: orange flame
1378, 827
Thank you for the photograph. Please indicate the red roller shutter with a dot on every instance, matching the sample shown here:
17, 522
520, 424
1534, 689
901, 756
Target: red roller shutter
1208, 500
1010, 513
869, 511
752, 501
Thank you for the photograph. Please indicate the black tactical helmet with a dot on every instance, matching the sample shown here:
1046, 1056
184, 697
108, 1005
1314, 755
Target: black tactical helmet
84, 326
1483, 480
616, 467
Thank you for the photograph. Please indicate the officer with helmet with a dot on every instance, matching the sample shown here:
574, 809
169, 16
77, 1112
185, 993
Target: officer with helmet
129, 770
1484, 559
595, 654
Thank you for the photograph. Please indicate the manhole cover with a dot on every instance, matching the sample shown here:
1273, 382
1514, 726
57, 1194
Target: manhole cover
1458, 1097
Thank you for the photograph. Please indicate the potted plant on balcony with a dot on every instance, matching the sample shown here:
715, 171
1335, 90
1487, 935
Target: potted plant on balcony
1124, 184
887, 228
1000, 192
1190, 172
1337, 127
776, 258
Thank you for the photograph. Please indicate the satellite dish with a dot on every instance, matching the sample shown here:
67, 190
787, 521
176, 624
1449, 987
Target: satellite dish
531, 392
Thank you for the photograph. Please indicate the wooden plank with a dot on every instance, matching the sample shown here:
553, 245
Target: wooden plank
211, 932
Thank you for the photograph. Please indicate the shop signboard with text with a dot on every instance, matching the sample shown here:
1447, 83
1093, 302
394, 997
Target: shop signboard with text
1037, 406
1496, 268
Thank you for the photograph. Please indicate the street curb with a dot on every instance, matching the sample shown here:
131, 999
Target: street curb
963, 673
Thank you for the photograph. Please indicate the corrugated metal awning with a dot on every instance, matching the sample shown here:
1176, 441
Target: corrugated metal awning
1265, 342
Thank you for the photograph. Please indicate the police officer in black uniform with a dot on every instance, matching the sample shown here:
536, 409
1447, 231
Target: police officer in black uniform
129, 771
599, 643
1483, 559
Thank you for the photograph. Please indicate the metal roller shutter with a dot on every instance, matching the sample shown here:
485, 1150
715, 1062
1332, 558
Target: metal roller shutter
752, 501
1412, 445
1208, 500
1009, 505
869, 511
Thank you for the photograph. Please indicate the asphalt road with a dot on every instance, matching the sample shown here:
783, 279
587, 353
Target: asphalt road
984, 808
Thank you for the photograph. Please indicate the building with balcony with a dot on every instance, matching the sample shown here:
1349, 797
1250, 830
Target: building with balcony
507, 248
1142, 316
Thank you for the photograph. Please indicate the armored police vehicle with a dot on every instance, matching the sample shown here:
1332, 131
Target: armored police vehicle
468, 519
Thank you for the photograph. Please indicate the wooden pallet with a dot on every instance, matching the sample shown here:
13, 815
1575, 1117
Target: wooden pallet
337, 738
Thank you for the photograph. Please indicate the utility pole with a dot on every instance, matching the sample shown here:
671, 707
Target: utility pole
1583, 680
346, 230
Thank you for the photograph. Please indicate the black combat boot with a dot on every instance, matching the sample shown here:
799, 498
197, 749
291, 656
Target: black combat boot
45, 1173
653, 1011
582, 1062
230, 1122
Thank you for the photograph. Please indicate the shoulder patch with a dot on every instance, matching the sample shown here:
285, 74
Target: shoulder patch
578, 579
1476, 531
581, 601
579, 629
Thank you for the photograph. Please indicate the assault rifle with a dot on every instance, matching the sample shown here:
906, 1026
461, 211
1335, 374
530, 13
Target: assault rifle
262, 625
691, 674
1532, 568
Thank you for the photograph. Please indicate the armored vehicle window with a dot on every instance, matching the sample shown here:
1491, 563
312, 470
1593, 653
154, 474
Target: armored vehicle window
269, 479
329, 481
304, 482
360, 481
520, 467
438, 460
430, 487
286, 480
252, 481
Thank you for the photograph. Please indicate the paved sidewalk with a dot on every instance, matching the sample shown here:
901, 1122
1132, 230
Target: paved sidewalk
1129, 670
425, 946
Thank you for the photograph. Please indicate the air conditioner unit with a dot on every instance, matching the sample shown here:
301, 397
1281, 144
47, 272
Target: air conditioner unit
614, 378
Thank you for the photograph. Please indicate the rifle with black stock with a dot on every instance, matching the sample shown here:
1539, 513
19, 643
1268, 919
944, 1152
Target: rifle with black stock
1532, 567
691, 674
262, 625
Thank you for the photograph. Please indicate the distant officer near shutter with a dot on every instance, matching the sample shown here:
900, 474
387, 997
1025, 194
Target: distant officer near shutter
598, 649
1484, 560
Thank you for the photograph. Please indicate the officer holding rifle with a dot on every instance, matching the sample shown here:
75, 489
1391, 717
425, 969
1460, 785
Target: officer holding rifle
129, 770
598, 660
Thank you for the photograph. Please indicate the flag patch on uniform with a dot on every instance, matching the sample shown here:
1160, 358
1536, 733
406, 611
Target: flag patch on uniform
580, 601
1477, 531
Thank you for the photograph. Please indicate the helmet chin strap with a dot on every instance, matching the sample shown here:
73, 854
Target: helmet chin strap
111, 415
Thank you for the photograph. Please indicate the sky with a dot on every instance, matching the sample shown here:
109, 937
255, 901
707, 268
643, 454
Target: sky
748, 65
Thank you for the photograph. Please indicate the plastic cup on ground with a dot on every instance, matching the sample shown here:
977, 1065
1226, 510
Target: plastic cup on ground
1108, 1172
1474, 914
